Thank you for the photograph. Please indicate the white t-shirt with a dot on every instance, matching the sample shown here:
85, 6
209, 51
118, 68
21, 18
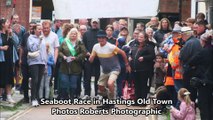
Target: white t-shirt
53, 41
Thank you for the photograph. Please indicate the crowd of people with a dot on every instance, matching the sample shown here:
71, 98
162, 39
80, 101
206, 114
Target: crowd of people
179, 58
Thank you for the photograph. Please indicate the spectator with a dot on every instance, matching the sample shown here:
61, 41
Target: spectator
187, 107
52, 39
163, 29
115, 25
84, 22
159, 71
8, 56
19, 30
201, 17
190, 22
56, 28
173, 58
201, 28
36, 60
135, 36
141, 58
188, 52
122, 23
45, 81
65, 29
109, 31
140, 26
124, 32
23, 61
204, 59
152, 41
82, 30
73, 52
153, 23
91, 69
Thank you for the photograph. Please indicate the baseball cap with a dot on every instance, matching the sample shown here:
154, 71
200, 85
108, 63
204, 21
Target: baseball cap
176, 29
185, 29
95, 20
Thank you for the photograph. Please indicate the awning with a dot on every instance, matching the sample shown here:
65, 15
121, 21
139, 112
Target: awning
76, 9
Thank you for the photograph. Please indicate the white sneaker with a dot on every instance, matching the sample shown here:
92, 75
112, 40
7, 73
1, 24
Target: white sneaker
37, 104
9, 99
34, 103
86, 97
98, 97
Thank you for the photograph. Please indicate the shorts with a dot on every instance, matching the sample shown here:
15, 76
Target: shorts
104, 77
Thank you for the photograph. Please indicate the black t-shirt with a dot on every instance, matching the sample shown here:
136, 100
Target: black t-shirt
24, 47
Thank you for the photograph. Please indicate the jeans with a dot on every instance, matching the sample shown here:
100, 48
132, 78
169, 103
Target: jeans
45, 85
68, 85
36, 72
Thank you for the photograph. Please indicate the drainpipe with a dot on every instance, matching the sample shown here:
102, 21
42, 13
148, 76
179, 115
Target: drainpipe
210, 11
180, 9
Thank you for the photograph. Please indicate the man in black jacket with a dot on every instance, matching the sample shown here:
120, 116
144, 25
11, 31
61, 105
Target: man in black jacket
91, 69
190, 49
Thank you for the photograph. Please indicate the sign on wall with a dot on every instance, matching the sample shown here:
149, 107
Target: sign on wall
36, 13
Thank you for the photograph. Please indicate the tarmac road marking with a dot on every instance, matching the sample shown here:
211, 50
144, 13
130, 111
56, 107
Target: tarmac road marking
20, 114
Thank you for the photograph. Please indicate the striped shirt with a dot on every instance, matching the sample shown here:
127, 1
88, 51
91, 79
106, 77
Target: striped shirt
107, 55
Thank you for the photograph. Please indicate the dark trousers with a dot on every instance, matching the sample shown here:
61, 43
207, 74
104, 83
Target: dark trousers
205, 102
91, 69
172, 94
186, 84
25, 82
36, 72
120, 79
141, 88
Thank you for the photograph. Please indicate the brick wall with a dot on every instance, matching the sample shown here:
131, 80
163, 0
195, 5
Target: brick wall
21, 8
186, 9
168, 6
171, 6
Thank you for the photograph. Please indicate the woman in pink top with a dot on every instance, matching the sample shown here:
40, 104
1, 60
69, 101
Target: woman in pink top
187, 107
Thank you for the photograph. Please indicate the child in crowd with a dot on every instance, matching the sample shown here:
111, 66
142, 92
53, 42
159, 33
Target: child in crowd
159, 70
45, 82
187, 107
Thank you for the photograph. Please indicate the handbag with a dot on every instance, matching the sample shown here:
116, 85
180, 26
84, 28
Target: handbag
128, 90
33, 54
196, 82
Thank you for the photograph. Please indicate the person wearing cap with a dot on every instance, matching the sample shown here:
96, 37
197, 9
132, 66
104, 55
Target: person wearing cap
91, 69
173, 58
121, 23
124, 32
188, 52
107, 54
